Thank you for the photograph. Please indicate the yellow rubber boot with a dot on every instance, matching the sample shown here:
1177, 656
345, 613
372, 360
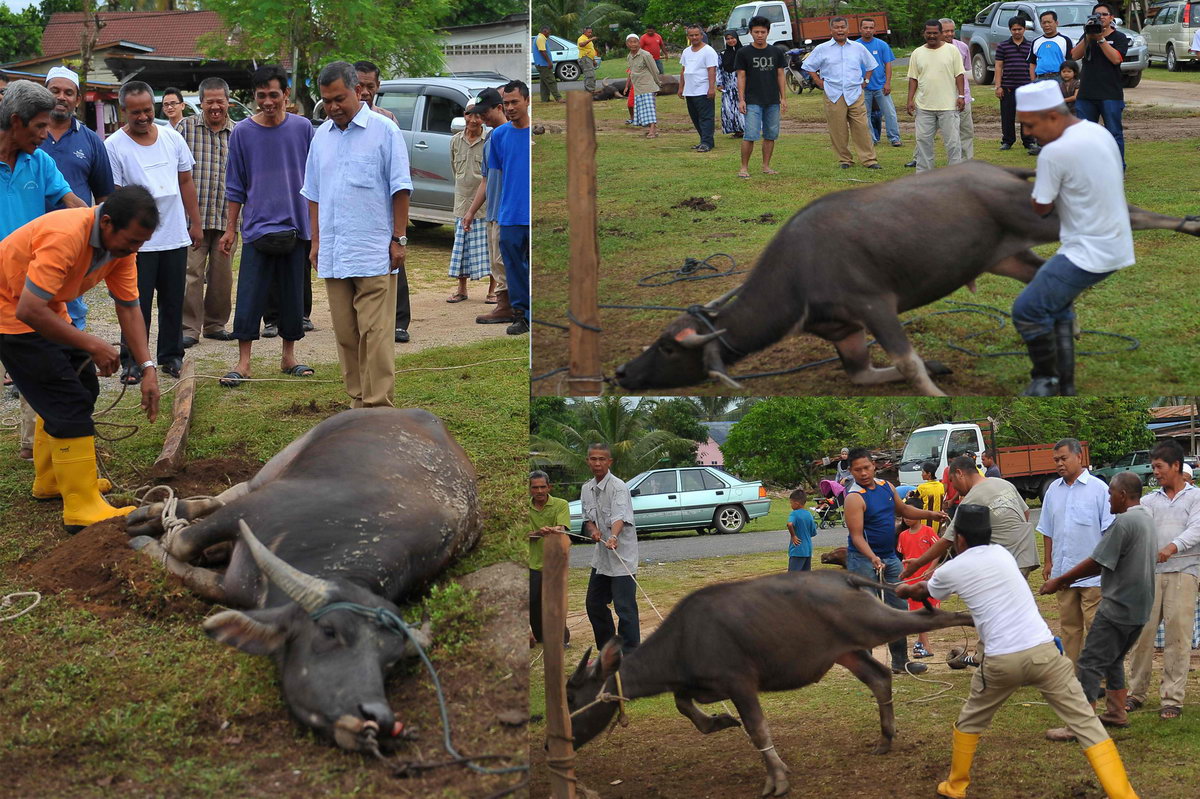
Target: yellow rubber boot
955, 786
1106, 762
75, 470
45, 485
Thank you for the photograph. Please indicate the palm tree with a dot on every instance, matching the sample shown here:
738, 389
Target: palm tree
568, 18
714, 409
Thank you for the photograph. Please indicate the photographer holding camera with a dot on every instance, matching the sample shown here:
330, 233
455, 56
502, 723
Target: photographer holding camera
1102, 49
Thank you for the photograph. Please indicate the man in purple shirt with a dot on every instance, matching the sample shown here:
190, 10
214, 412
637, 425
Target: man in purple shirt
1012, 71
267, 154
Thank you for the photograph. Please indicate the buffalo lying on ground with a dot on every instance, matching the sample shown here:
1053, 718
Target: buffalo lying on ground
852, 261
366, 507
734, 640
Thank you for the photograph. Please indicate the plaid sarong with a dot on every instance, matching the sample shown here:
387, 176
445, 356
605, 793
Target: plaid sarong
644, 110
1160, 638
470, 256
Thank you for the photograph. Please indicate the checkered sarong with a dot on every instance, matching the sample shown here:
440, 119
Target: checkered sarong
470, 256
1160, 638
644, 110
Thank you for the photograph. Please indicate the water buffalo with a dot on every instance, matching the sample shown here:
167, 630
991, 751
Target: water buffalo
365, 508
733, 640
823, 273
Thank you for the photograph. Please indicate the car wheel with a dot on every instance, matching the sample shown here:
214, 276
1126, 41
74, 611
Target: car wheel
729, 519
1131, 80
568, 71
1151, 481
979, 70
1172, 62
1049, 481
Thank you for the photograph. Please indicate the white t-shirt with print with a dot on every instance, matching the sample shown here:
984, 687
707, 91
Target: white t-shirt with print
157, 168
695, 69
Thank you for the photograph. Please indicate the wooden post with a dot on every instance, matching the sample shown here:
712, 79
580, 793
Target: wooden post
583, 375
556, 552
174, 451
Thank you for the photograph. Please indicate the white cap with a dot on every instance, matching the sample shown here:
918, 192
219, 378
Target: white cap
1040, 96
632, 36
63, 72
1187, 470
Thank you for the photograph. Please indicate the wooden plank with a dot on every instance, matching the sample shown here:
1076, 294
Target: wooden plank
584, 377
561, 754
174, 450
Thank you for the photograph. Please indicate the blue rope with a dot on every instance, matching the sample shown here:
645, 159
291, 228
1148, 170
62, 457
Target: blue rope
393, 623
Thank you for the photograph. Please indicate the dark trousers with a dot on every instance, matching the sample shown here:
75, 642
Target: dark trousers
1103, 655
535, 607
514, 248
257, 274
270, 314
701, 110
57, 381
1008, 120
621, 593
796, 564
403, 310
164, 272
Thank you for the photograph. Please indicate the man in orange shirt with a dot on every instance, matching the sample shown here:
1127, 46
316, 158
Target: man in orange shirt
43, 265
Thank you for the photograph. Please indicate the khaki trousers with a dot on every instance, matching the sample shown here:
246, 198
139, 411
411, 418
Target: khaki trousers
28, 419
363, 311
927, 124
209, 290
493, 233
966, 133
1076, 609
999, 676
846, 123
1175, 606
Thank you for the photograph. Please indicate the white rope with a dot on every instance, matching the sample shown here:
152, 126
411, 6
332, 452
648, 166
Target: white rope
8, 600
171, 523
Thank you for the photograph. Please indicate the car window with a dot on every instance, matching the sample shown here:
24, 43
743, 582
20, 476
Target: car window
962, 441
711, 481
740, 16
1068, 15
402, 105
1141, 458
1193, 15
1167, 15
772, 13
1126, 460
439, 113
658, 483
982, 17
693, 480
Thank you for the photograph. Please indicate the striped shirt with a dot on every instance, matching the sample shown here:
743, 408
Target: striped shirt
1016, 62
211, 151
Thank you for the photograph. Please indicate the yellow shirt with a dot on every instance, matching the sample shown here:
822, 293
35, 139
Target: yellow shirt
935, 72
932, 492
586, 50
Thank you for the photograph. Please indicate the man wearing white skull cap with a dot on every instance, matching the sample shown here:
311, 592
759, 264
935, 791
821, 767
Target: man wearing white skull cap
1079, 176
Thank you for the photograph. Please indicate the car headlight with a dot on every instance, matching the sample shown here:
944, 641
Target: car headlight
1139, 41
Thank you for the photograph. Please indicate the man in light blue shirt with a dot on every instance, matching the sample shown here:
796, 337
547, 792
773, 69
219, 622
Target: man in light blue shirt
1075, 514
878, 93
357, 184
842, 69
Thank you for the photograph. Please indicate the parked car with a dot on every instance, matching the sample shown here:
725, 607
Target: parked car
700, 498
563, 54
191, 107
1169, 29
430, 111
1136, 462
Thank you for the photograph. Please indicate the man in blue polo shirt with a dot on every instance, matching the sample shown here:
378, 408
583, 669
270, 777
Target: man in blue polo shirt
29, 180
79, 154
878, 93
510, 153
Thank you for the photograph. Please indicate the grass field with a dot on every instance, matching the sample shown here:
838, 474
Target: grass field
648, 221
824, 732
137, 701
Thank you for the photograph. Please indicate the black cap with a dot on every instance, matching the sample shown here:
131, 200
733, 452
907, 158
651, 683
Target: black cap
488, 99
975, 519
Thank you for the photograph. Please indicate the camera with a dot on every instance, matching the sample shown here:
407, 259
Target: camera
1093, 25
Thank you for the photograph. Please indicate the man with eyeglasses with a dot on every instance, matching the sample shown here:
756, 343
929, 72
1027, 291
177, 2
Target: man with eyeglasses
1100, 94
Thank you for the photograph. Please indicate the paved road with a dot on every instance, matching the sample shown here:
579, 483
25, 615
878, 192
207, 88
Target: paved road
716, 546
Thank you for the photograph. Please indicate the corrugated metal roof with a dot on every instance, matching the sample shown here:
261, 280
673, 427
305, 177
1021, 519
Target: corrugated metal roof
170, 33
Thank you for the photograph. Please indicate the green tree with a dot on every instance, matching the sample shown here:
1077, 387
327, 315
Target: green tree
48, 7
543, 410
715, 409
399, 35
681, 417
779, 437
20, 34
669, 16
568, 18
472, 12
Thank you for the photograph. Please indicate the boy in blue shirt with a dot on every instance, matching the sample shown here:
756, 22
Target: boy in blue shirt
801, 529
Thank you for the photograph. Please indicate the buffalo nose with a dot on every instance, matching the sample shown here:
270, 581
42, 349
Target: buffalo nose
379, 713
621, 370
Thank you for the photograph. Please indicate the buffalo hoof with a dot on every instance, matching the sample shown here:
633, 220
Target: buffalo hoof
776, 785
144, 520
141, 542
723, 721
883, 747
937, 368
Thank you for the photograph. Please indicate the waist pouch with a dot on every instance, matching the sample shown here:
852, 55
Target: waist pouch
280, 243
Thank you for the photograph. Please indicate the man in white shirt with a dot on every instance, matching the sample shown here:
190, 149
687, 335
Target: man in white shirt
608, 519
698, 85
1079, 175
1075, 514
841, 69
1020, 652
1175, 508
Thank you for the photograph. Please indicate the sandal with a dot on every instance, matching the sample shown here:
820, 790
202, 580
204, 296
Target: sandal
299, 370
491, 299
651, 135
1170, 712
456, 297
232, 379
1132, 704
131, 374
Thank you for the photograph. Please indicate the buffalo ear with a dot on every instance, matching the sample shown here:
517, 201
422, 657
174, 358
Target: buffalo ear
581, 670
258, 634
610, 658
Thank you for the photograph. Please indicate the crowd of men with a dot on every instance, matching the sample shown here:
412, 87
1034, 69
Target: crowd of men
156, 210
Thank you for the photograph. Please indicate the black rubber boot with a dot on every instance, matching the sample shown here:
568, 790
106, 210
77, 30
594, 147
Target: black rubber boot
900, 662
1043, 352
1064, 338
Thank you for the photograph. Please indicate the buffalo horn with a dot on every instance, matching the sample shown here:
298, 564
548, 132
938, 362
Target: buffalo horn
719, 301
716, 367
308, 592
717, 374
696, 340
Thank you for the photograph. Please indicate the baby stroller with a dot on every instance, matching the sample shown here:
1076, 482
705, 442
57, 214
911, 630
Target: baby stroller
829, 507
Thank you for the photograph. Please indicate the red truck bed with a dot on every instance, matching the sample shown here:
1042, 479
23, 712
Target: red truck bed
1031, 459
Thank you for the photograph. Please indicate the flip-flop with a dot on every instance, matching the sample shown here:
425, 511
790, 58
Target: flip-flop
491, 299
770, 172
744, 175
456, 298
232, 379
299, 370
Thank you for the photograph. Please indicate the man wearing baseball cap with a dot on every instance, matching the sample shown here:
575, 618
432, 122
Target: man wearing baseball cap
1079, 174
489, 106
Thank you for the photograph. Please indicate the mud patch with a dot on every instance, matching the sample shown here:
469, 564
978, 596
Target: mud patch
697, 204
313, 408
765, 219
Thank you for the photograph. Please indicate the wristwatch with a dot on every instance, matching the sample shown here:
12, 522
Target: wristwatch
401, 240
148, 365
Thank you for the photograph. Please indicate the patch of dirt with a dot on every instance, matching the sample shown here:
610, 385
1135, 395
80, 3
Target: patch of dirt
765, 219
211, 476
696, 204
312, 408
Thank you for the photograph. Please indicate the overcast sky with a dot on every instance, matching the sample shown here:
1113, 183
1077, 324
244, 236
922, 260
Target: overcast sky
17, 5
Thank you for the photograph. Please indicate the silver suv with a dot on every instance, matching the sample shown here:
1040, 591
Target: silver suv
1169, 30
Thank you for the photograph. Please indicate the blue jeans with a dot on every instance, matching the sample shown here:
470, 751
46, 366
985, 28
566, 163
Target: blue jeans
1110, 112
880, 105
77, 309
857, 564
514, 249
762, 121
1049, 297
798, 564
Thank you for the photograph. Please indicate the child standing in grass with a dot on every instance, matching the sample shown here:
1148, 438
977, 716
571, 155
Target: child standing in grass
914, 542
801, 530
1069, 71
931, 491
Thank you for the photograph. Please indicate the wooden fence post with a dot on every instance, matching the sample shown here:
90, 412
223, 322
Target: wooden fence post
583, 375
556, 551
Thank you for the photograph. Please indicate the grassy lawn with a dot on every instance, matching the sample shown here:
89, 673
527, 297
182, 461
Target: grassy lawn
644, 227
1158, 71
140, 702
825, 731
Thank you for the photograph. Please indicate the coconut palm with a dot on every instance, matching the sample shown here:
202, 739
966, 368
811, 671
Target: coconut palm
567, 18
